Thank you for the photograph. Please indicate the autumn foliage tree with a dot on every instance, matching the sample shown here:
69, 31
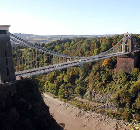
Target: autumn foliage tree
107, 63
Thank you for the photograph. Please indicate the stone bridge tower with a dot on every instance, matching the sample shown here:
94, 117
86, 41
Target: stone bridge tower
127, 43
127, 62
7, 72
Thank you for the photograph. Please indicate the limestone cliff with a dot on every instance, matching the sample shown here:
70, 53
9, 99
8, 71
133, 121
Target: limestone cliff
22, 108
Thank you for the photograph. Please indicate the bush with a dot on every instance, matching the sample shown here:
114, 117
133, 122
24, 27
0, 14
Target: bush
65, 91
135, 89
122, 77
135, 74
53, 88
125, 114
80, 90
138, 101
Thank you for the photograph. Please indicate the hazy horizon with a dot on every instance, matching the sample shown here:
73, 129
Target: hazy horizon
65, 34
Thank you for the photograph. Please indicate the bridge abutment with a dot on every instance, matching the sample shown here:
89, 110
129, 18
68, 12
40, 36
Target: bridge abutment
7, 72
127, 62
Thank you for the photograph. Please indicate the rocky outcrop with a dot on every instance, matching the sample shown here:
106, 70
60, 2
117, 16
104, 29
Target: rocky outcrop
95, 96
108, 105
22, 108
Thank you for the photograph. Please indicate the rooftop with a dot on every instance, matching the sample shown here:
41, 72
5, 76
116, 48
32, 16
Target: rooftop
4, 27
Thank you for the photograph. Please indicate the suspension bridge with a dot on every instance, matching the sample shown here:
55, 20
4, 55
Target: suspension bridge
14, 64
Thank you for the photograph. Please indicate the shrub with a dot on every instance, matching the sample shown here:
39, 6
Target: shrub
122, 77
135, 89
80, 90
138, 101
135, 74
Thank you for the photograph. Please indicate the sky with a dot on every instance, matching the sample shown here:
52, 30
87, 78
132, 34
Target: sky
71, 17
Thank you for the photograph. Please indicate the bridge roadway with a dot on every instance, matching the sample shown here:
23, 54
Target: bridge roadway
50, 68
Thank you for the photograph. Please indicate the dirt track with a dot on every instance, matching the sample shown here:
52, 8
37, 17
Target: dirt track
76, 119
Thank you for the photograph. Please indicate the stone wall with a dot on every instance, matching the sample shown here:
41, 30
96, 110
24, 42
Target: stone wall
7, 72
127, 62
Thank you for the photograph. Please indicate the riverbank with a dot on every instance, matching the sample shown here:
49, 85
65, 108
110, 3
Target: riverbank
77, 119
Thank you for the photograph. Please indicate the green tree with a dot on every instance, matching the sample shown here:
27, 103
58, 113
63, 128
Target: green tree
138, 102
135, 74
96, 51
80, 90
53, 88
51, 77
122, 77
65, 91
135, 88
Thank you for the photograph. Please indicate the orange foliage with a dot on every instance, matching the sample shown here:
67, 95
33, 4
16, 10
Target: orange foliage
71, 73
107, 62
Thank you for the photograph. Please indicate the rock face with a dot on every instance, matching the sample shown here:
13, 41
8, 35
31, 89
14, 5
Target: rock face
22, 108
95, 96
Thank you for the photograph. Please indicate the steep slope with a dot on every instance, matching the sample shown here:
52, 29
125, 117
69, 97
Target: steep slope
22, 108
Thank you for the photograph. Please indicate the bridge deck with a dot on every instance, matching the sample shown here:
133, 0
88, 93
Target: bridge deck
46, 69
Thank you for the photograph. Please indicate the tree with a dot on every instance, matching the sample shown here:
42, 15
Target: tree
135, 89
80, 90
67, 78
107, 63
122, 77
53, 88
135, 73
65, 91
96, 51
138, 102
51, 77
